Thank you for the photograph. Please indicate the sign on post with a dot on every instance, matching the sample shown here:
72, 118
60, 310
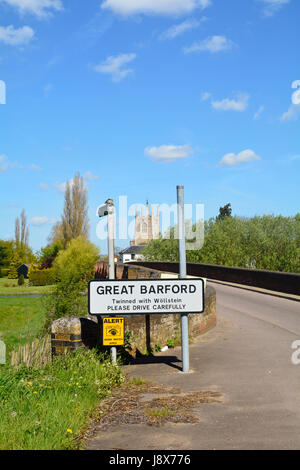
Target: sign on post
147, 296
113, 331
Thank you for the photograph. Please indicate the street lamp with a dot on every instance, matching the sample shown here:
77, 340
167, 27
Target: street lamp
108, 210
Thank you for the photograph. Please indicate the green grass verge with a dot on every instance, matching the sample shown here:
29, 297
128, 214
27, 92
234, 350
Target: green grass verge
10, 287
51, 407
21, 321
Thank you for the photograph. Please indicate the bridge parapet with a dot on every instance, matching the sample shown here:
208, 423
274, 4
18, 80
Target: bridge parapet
288, 283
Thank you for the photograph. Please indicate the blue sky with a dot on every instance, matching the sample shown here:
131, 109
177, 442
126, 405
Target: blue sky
142, 95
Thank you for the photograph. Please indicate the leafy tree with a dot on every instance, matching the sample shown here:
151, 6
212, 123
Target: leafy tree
56, 234
222, 243
266, 242
6, 252
73, 268
224, 212
47, 255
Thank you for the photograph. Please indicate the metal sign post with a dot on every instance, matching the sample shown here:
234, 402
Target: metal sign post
182, 275
108, 210
111, 255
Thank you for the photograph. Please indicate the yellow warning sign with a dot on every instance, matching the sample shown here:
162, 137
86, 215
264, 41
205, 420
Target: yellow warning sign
113, 331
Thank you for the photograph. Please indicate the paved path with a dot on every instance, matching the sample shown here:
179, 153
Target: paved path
247, 357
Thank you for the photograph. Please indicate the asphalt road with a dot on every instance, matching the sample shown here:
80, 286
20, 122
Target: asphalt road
247, 358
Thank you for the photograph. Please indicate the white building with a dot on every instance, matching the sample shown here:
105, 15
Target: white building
132, 253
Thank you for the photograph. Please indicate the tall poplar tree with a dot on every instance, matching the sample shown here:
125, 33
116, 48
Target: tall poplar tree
74, 220
22, 236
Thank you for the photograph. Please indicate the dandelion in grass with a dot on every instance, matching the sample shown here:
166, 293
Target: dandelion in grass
70, 431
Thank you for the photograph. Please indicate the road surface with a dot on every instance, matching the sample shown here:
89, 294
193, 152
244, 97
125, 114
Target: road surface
247, 358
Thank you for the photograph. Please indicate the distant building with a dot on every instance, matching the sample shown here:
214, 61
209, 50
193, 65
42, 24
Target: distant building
147, 226
132, 253
23, 269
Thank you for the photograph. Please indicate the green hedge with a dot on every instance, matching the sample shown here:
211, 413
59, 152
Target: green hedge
44, 277
4, 272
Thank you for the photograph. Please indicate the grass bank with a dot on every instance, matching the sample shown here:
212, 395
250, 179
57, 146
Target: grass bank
10, 287
51, 407
21, 320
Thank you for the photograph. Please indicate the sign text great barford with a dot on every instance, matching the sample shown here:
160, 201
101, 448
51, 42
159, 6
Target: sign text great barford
146, 296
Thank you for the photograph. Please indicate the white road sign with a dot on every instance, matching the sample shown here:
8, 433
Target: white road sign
145, 296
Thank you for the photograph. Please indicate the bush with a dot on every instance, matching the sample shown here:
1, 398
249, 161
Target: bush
21, 280
73, 269
77, 262
43, 277
15, 263
4, 272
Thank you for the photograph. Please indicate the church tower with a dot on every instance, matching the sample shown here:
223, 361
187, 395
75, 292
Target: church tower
147, 226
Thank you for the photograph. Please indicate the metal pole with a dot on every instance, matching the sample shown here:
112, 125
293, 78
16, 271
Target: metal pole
182, 275
111, 256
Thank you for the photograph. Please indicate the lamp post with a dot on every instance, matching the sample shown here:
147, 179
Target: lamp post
109, 211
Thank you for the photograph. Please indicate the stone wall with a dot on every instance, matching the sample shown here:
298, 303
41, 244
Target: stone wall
151, 330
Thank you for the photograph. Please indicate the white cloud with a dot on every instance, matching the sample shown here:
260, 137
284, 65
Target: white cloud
34, 167
239, 104
179, 29
205, 96
40, 8
272, 6
61, 187
39, 221
90, 177
43, 187
231, 159
291, 114
258, 112
169, 153
211, 44
54, 61
160, 7
16, 37
5, 164
114, 66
